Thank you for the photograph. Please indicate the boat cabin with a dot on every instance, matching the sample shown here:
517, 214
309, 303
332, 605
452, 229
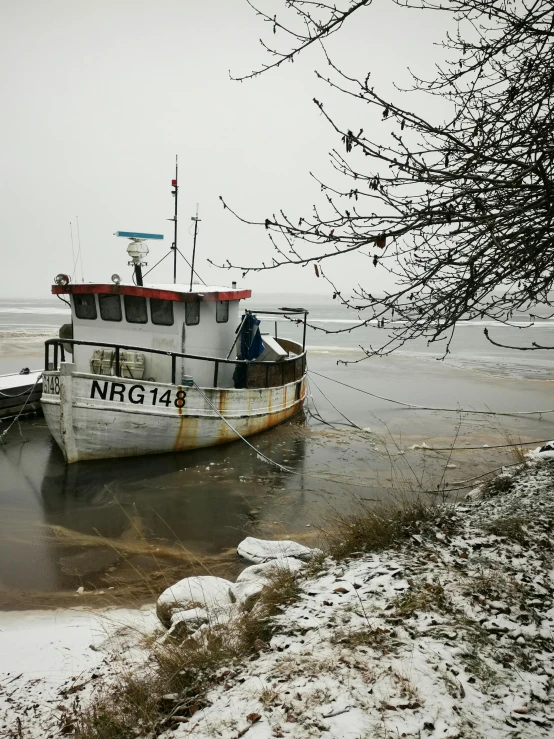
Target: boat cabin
163, 317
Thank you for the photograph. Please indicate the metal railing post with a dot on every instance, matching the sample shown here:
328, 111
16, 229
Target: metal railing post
117, 361
55, 356
46, 356
173, 364
216, 371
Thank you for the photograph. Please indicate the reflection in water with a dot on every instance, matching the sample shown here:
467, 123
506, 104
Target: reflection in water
107, 523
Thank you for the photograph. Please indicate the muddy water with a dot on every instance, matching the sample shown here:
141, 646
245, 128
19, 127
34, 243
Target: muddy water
124, 529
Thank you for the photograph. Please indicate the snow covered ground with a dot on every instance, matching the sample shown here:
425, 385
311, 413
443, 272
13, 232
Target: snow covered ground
450, 634
48, 659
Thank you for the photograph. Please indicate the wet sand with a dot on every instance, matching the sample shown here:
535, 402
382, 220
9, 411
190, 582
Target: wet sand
123, 529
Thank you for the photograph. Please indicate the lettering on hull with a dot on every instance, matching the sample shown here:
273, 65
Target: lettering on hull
51, 385
136, 394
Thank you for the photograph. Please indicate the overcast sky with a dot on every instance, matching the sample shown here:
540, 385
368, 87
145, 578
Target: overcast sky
98, 97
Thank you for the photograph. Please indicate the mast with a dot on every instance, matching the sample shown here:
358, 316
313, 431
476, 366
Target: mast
175, 192
196, 220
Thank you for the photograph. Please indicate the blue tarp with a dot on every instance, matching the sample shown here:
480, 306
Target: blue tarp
251, 346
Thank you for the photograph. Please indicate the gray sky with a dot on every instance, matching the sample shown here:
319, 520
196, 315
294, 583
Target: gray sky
97, 98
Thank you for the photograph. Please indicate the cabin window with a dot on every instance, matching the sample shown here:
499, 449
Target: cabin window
135, 309
85, 306
110, 307
192, 313
222, 311
161, 312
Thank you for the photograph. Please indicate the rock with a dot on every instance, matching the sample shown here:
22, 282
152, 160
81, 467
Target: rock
213, 594
184, 623
546, 451
252, 580
259, 551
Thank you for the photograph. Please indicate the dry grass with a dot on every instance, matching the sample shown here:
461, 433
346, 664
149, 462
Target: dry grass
497, 486
476, 665
374, 638
509, 527
422, 597
383, 527
494, 585
168, 692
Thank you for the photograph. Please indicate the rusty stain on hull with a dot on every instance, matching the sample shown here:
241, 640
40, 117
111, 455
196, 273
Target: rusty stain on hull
187, 435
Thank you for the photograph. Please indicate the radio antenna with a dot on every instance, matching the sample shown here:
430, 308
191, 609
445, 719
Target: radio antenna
196, 221
79, 253
72, 251
175, 193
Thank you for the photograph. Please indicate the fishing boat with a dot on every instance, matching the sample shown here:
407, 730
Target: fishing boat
149, 369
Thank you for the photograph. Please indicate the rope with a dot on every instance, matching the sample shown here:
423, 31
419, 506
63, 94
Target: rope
18, 395
426, 448
258, 452
267, 459
190, 265
348, 421
21, 411
154, 267
430, 408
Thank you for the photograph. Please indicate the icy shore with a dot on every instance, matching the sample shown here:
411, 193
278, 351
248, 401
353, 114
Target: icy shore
450, 634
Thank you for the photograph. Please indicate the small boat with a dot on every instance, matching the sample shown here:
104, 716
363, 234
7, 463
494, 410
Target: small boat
150, 370
20, 393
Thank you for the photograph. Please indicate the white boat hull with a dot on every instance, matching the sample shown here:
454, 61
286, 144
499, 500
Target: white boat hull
98, 417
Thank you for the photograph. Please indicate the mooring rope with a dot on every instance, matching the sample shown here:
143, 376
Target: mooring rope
431, 408
312, 475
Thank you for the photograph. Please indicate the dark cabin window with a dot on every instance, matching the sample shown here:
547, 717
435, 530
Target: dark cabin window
85, 306
135, 309
192, 313
222, 311
110, 307
161, 312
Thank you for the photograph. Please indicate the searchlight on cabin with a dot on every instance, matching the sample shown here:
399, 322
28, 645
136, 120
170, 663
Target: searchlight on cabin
61, 280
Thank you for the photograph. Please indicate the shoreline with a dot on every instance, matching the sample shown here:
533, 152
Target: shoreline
446, 631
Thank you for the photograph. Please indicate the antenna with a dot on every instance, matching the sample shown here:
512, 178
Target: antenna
196, 221
175, 192
79, 254
72, 251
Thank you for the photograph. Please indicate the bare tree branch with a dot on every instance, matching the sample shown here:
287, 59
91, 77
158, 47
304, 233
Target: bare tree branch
458, 212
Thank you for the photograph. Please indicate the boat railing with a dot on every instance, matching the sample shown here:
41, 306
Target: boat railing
258, 374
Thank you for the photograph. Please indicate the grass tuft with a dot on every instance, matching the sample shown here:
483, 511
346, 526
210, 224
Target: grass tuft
375, 529
422, 597
497, 486
509, 527
374, 638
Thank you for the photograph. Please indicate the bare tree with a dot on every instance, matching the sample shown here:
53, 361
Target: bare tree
458, 210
